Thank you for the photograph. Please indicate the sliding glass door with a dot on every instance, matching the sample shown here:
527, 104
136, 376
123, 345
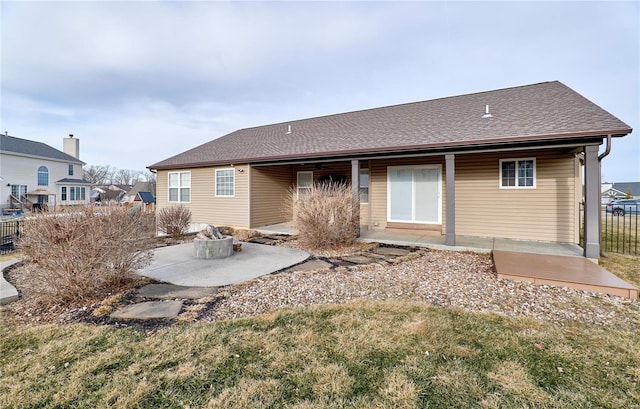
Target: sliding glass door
415, 194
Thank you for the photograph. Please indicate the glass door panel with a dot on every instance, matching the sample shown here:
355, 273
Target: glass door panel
426, 200
400, 194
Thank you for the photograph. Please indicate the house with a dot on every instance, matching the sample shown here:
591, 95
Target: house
146, 200
110, 194
621, 190
35, 175
140, 186
504, 164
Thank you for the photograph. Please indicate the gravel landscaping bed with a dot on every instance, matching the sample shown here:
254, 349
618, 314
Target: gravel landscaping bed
442, 278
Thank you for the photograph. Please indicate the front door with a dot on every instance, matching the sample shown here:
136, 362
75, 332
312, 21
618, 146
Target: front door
415, 194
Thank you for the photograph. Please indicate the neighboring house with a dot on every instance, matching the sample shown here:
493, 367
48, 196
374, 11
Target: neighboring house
138, 187
146, 200
616, 191
503, 164
110, 194
34, 174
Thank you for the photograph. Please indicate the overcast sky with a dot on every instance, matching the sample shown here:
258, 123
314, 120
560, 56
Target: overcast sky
138, 82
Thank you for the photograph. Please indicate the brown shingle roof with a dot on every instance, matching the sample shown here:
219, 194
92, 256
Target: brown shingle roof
549, 110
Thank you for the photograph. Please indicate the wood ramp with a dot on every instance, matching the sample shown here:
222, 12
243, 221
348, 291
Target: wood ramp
562, 271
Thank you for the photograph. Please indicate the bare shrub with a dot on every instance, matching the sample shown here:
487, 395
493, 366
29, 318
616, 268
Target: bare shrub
83, 252
328, 216
174, 220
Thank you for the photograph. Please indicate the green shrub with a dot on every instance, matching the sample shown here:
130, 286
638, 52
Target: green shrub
328, 216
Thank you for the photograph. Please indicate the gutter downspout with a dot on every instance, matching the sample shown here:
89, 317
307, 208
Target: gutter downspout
604, 154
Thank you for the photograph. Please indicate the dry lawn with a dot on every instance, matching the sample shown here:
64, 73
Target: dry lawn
359, 355
624, 266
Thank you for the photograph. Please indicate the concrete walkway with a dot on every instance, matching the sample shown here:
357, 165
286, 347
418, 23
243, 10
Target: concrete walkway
8, 293
437, 242
176, 265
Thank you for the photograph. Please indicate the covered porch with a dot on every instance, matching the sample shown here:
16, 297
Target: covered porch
450, 199
438, 242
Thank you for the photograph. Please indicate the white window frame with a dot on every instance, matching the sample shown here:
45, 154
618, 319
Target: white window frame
360, 186
413, 194
517, 161
43, 176
178, 186
298, 187
21, 189
233, 185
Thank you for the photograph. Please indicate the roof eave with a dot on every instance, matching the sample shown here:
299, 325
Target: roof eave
481, 143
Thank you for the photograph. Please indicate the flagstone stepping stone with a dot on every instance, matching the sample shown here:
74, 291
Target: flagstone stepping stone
149, 310
263, 240
358, 259
171, 292
341, 263
311, 265
390, 251
279, 237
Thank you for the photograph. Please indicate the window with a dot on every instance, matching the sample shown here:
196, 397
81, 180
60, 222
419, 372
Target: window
515, 173
179, 186
305, 183
225, 182
364, 185
43, 176
70, 170
75, 193
18, 190
64, 193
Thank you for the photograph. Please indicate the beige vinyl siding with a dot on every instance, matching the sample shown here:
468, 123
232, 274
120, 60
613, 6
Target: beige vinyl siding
269, 194
378, 187
546, 212
205, 207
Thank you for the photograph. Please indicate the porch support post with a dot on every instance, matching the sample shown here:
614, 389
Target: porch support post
591, 202
355, 191
450, 170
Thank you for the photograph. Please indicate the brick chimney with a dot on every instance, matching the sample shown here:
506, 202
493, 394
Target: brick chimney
71, 146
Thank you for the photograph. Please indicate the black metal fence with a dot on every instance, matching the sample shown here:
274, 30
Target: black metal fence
9, 233
619, 233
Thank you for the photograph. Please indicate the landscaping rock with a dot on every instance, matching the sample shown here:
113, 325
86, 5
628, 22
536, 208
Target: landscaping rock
149, 310
171, 292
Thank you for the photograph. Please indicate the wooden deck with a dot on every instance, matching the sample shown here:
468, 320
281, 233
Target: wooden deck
563, 271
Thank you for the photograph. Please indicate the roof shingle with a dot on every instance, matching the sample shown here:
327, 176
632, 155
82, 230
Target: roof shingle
527, 113
11, 144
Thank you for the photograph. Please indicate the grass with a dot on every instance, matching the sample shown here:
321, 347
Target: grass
360, 355
624, 266
620, 234
10, 256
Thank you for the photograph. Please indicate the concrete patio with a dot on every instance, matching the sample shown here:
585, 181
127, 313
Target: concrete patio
463, 243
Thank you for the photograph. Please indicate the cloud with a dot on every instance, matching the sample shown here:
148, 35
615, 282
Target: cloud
140, 81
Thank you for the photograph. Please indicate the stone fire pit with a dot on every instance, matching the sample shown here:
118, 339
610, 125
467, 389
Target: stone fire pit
209, 243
